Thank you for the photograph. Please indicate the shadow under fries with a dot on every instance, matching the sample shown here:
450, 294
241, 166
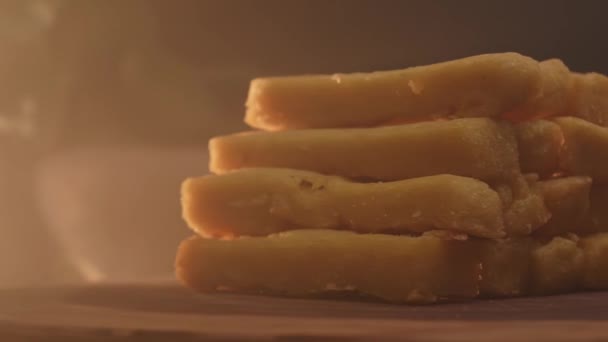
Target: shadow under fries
173, 299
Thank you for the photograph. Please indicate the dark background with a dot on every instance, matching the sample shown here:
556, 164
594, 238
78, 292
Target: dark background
193, 58
106, 105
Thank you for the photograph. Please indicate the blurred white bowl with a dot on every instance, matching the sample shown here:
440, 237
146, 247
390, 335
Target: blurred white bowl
116, 210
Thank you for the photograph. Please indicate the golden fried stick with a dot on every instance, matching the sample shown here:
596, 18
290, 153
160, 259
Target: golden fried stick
505, 266
394, 268
554, 97
479, 86
585, 149
540, 143
526, 266
265, 201
597, 220
576, 206
568, 201
523, 204
406, 269
557, 266
476, 147
567, 145
595, 251
589, 98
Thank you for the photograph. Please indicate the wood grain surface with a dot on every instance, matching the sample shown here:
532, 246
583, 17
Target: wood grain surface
167, 312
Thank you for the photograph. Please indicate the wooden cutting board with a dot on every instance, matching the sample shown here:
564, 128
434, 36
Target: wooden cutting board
167, 312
